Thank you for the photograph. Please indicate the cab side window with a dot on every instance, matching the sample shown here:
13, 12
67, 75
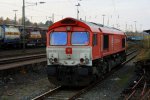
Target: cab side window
106, 42
123, 43
94, 39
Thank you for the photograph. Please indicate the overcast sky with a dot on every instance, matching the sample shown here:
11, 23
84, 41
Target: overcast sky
119, 13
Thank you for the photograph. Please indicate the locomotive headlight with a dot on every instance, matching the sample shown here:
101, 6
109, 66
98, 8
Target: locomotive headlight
51, 60
81, 60
53, 57
68, 28
55, 60
86, 60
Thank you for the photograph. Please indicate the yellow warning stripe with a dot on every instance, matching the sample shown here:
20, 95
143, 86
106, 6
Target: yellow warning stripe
12, 33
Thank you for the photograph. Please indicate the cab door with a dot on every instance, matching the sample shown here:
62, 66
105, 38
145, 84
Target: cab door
95, 46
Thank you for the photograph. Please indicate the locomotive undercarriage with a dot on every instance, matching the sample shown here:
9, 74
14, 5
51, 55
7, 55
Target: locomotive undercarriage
107, 63
83, 75
70, 75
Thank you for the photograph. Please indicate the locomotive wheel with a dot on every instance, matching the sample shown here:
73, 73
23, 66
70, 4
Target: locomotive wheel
109, 64
101, 68
94, 78
105, 66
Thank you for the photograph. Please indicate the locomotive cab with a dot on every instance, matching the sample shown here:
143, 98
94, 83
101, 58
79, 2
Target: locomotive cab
73, 51
69, 51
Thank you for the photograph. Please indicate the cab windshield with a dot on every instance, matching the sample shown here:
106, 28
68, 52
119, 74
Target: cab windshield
58, 38
80, 38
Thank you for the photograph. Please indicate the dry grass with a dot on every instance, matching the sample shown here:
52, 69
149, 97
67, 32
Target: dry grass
145, 52
146, 42
143, 55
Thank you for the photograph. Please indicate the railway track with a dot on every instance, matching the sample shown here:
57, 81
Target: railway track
131, 52
21, 58
139, 91
146, 96
61, 94
133, 89
12, 62
20, 52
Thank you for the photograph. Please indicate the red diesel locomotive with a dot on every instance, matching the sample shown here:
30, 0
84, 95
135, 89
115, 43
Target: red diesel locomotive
78, 52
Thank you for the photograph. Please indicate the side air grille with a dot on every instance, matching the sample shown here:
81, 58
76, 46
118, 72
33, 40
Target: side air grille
68, 21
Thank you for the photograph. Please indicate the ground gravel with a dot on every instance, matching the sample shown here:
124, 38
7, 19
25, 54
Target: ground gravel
24, 86
111, 88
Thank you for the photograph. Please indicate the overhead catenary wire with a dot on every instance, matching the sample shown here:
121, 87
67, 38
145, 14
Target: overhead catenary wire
35, 11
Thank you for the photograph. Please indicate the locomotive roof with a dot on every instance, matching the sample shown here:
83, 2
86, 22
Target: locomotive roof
94, 27
104, 29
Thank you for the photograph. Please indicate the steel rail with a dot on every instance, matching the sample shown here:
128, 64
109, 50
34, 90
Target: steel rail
132, 93
131, 52
144, 88
21, 61
133, 88
146, 96
137, 82
20, 58
19, 52
44, 95
73, 97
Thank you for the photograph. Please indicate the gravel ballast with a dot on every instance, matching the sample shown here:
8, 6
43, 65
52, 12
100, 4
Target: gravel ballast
111, 88
24, 86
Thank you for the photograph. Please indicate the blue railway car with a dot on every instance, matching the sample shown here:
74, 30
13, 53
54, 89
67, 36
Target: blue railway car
9, 35
137, 38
